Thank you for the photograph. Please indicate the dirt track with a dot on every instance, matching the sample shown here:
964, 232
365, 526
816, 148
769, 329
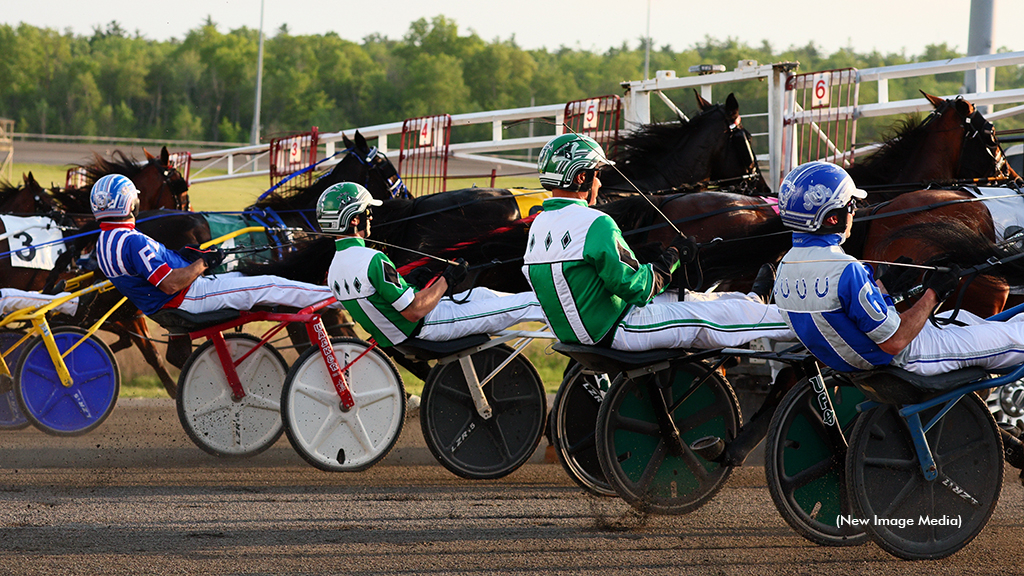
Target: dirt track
136, 497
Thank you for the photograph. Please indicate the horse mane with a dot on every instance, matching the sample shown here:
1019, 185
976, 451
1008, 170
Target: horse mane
639, 151
901, 140
960, 244
8, 190
118, 163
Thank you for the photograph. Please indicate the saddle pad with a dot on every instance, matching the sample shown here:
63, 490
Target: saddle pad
24, 234
529, 201
221, 224
1005, 206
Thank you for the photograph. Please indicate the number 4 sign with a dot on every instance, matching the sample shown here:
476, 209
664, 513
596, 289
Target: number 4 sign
426, 132
822, 91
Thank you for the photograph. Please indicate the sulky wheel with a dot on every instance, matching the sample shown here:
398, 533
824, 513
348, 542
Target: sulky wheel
1007, 406
329, 437
806, 468
645, 460
888, 488
11, 417
209, 413
461, 439
72, 410
574, 426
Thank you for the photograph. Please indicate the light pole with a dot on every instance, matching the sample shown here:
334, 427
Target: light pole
647, 54
254, 138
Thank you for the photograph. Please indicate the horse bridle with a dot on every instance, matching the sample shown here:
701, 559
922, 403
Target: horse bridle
375, 160
974, 125
178, 187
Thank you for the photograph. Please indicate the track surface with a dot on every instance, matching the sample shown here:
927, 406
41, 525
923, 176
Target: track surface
136, 497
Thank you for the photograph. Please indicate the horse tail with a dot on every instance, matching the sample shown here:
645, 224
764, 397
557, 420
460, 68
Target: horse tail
958, 243
297, 264
742, 257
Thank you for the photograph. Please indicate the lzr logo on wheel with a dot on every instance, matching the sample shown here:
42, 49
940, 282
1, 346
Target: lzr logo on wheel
827, 415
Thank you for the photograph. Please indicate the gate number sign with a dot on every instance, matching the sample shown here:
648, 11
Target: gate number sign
820, 95
590, 113
425, 132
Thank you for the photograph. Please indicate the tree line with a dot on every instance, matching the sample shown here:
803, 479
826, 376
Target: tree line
202, 87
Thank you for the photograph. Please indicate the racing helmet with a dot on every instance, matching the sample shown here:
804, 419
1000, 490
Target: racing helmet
811, 191
565, 156
340, 203
113, 196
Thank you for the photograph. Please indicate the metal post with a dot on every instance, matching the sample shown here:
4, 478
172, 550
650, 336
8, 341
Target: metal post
647, 53
255, 137
980, 41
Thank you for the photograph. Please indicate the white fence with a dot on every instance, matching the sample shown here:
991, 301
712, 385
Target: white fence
241, 162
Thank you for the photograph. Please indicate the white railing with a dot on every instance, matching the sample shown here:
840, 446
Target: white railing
243, 161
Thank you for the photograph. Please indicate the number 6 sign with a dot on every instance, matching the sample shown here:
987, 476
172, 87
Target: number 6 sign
822, 91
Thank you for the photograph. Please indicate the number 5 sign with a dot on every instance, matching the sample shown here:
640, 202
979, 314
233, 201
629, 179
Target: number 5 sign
822, 91
590, 113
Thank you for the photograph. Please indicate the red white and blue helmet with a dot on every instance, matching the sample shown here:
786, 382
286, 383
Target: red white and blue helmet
113, 196
812, 190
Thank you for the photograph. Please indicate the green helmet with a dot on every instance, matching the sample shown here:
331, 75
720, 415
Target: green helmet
565, 156
340, 203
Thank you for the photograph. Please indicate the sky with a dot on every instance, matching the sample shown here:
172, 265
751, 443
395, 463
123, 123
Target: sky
888, 26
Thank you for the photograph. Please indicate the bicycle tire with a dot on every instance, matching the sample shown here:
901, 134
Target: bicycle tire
574, 429
463, 441
212, 418
11, 416
327, 437
886, 482
805, 471
67, 411
633, 451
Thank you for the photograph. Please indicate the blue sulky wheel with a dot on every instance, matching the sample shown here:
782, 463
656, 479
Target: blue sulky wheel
11, 417
67, 411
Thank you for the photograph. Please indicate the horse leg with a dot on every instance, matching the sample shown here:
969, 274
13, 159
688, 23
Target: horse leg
140, 338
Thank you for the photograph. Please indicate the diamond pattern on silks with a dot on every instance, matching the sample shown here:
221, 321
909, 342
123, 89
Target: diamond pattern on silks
566, 239
547, 241
357, 285
533, 240
347, 289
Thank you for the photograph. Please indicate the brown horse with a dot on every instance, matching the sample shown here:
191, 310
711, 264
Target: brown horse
160, 186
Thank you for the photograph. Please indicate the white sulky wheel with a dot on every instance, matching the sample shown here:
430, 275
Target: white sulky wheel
213, 419
321, 432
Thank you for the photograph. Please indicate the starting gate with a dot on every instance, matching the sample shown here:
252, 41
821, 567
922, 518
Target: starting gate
290, 154
423, 155
598, 118
182, 161
820, 123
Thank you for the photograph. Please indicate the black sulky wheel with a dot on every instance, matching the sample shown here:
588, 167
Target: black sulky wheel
574, 428
907, 515
644, 430
805, 466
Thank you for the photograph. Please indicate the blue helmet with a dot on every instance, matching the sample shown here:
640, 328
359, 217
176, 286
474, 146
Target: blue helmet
113, 196
812, 190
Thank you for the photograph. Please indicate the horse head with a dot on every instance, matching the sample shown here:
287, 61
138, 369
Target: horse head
160, 184
711, 148
369, 167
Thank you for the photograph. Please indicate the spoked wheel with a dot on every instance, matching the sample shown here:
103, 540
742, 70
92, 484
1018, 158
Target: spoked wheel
11, 417
463, 441
574, 428
72, 410
321, 432
806, 467
909, 516
643, 459
209, 413
1007, 405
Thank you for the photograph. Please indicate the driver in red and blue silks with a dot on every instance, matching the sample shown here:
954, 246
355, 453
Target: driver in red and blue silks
154, 277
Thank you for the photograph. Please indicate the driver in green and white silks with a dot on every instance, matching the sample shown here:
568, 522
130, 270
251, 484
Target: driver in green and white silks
595, 292
369, 286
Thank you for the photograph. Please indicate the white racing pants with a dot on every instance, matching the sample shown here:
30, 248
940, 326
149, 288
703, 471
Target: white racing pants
714, 320
237, 292
981, 343
12, 299
486, 312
